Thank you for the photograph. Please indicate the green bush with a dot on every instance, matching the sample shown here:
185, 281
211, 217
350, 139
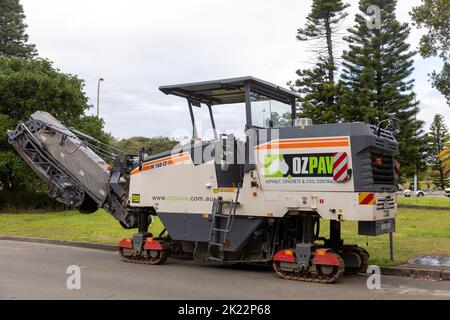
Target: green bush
28, 201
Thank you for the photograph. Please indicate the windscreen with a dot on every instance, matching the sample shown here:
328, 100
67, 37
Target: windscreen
267, 112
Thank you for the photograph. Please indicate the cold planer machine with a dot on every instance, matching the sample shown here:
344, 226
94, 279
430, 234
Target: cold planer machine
259, 199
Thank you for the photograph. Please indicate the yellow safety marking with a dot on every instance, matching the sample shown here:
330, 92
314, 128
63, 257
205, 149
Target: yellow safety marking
224, 190
136, 198
366, 198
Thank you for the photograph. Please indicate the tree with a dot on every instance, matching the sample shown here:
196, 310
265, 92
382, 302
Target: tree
317, 85
280, 120
94, 127
30, 85
135, 144
376, 79
438, 135
13, 39
435, 16
25, 87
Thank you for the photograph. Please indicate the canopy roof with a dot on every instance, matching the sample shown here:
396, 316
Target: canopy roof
227, 91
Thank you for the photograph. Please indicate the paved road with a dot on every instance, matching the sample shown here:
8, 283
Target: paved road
38, 271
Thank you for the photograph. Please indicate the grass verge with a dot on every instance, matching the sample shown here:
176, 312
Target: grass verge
99, 227
427, 201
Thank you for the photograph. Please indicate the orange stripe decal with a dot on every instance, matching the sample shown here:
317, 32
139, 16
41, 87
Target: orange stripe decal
305, 143
163, 159
166, 161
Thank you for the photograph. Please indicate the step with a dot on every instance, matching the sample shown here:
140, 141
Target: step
215, 244
221, 230
222, 215
229, 202
226, 201
214, 259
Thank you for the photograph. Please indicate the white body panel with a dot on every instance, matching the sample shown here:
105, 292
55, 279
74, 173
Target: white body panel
175, 185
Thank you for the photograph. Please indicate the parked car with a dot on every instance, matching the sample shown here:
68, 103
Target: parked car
420, 193
447, 192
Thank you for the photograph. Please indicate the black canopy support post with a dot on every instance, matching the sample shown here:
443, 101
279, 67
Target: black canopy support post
194, 128
248, 106
293, 111
248, 124
213, 123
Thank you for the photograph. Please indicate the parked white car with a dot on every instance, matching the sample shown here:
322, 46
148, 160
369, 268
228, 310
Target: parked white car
447, 192
408, 193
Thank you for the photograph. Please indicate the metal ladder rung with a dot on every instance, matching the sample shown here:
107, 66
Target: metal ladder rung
222, 215
218, 244
215, 259
221, 230
230, 202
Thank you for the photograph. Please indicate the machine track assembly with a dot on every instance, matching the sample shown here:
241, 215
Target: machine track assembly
144, 249
151, 257
323, 273
363, 259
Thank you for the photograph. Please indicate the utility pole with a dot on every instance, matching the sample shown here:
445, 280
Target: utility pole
416, 163
98, 97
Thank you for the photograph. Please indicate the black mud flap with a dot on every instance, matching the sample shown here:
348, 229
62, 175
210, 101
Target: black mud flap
376, 228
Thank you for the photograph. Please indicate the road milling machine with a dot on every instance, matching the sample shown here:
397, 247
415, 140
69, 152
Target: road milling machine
258, 199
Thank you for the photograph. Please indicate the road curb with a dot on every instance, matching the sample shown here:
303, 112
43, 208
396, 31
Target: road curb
416, 272
89, 245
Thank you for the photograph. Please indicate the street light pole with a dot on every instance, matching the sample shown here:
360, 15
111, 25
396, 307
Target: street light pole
98, 97
416, 172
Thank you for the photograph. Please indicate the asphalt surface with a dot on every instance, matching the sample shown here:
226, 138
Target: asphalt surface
38, 271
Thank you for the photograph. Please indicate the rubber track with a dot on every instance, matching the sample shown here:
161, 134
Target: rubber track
365, 259
143, 260
307, 277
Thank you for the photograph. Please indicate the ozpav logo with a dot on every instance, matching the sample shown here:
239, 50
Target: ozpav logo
307, 165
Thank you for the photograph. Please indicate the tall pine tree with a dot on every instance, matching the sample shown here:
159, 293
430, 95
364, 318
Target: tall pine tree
13, 39
438, 136
435, 16
376, 78
317, 86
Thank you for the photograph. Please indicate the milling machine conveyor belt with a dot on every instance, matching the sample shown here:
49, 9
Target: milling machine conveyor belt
75, 175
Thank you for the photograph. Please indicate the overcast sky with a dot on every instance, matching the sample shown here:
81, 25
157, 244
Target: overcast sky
138, 45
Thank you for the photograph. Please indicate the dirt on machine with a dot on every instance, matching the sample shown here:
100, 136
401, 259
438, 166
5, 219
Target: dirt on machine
259, 198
